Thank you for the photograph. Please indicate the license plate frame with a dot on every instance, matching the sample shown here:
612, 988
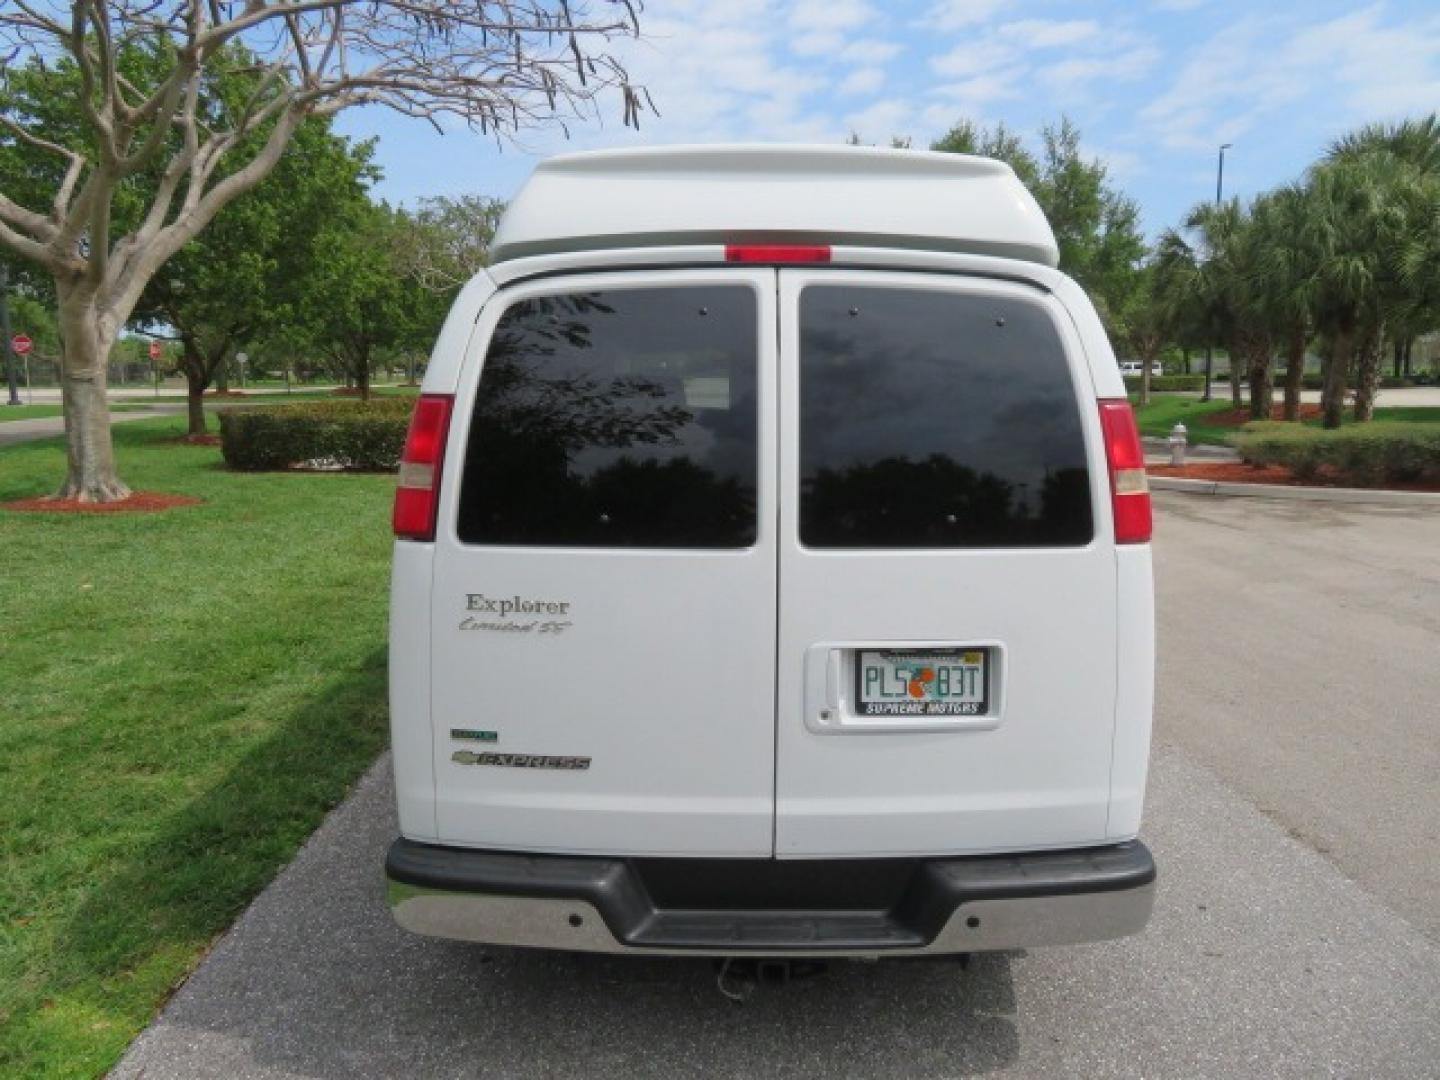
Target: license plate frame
893, 696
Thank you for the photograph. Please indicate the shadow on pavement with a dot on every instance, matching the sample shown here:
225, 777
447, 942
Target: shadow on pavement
317, 981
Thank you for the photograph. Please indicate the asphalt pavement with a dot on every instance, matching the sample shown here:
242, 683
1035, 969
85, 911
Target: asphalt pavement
1300, 659
1292, 811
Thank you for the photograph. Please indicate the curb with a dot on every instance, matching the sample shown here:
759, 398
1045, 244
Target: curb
1354, 496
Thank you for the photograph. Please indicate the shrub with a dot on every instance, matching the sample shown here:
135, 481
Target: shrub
1162, 383
348, 434
1363, 454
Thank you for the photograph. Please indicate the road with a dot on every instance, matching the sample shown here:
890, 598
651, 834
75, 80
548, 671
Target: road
1292, 810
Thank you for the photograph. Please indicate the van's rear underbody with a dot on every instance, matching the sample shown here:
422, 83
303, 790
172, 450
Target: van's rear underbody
725, 907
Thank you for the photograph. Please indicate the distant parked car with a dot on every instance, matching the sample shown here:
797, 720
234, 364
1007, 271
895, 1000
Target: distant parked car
1134, 367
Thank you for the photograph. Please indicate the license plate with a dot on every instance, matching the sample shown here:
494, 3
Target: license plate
930, 682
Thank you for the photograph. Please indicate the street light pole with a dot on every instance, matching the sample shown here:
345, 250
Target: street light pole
1219, 195
5, 330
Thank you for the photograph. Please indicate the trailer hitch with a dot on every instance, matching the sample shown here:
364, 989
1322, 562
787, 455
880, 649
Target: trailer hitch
738, 976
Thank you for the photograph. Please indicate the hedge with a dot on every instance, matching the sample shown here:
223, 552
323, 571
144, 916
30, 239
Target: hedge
1363, 454
1162, 383
345, 434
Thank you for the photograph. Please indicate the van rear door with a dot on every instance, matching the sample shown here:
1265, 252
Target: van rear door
947, 612
603, 608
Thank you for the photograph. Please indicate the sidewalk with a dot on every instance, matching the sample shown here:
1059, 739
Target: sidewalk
1157, 452
13, 432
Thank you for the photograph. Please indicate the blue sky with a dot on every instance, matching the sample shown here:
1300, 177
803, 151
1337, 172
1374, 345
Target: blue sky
1154, 85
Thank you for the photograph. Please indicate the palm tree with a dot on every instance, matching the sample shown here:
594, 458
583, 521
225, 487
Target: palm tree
1415, 142
1217, 271
1401, 164
1284, 283
1356, 225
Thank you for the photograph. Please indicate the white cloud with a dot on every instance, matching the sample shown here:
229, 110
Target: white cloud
955, 14
862, 81
878, 122
1073, 76
1049, 33
975, 58
822, 27
869, 52
983, 88
1348, 70
1121, 165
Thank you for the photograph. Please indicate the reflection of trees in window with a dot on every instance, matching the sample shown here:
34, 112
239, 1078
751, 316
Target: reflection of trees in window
558, 447
897, 502
527, 393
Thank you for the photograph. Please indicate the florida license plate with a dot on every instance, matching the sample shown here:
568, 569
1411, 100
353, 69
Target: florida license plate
930, 682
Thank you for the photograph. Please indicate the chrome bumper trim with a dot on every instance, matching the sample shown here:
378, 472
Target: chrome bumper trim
576, 925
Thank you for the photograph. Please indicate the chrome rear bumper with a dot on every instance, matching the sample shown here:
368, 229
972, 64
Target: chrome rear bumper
937, 906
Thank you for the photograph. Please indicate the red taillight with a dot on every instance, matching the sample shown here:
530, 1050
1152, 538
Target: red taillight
777, 253
418, 497
1129, 489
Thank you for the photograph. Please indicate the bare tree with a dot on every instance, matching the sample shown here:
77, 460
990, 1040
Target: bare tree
500, 66
447, 240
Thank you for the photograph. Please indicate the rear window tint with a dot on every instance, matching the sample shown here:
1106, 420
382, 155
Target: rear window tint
934, 419
622, 418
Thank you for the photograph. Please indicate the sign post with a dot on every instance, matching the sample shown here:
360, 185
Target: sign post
8, 346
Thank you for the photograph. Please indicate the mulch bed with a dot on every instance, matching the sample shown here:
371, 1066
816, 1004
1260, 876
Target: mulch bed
140, 502
1240, 473
1235, 418
197, 440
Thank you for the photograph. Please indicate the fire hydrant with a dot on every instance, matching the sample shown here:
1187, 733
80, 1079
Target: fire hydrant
1177, 444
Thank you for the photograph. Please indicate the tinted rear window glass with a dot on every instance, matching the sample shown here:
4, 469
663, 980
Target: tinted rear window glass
935, 419
623, 418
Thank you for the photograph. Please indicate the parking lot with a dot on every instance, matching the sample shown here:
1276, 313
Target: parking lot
1293, 811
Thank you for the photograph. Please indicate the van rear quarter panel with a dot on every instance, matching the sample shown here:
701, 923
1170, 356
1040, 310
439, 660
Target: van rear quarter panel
411, 580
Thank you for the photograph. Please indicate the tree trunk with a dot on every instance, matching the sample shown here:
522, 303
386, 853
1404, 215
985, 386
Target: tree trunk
1398, 350
1262, 387
1294, 372
90, 455
362, 373
1144, 377
194, 401
1367, 375
1185, 359
1235, 362
1337, 373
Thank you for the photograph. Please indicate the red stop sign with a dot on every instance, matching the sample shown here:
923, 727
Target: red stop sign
21, 344
154, 350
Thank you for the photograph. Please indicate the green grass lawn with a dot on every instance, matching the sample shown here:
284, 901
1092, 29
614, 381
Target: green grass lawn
182, 697
1412, 414
1167, 410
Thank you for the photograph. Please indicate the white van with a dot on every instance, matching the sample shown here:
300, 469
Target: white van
773, 572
